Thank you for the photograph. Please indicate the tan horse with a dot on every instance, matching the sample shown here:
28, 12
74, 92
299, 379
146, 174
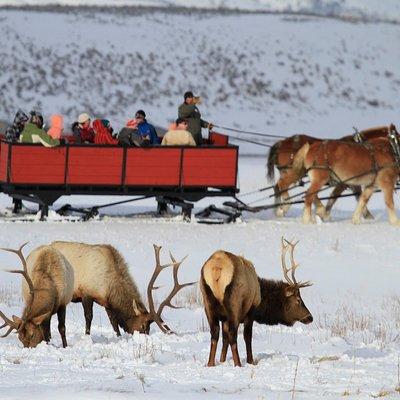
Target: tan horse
282, 155
371, 165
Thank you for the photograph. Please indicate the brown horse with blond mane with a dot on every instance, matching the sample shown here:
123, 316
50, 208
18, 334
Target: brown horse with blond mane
281, 156
371, 165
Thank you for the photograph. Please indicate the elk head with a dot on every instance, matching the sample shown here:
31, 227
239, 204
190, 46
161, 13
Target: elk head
155, 315
29, 329
294, 307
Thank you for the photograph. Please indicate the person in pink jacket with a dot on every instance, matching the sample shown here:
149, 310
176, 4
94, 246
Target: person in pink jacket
56, 126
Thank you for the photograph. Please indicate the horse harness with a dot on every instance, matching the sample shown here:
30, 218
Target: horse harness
334, 178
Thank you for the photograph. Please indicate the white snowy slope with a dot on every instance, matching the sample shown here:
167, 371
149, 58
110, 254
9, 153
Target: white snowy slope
351, 349
371, 9
268, 73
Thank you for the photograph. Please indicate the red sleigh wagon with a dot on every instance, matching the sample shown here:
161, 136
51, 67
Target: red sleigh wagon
173, 174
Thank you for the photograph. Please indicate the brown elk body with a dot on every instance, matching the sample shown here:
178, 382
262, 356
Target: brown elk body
371, 165
234, 294
282, 155
102, 276
47, 289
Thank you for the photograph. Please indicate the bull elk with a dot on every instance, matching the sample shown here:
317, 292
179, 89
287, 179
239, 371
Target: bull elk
234, 294
101, 276
47, 289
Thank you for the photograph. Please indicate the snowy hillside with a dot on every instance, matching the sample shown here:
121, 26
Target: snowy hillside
364, 9
276, 74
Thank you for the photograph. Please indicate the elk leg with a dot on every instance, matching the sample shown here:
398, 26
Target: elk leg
46, 330
232, 338
61, 324
214, 330
357, 191
113, 321
365, 196
225, 344
248, 334
87, 303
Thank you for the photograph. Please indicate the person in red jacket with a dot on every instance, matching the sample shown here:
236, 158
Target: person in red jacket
103, 132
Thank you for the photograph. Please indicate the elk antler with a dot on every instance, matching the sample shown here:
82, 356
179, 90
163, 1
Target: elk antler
8, 322
24, 273
286, 245
156, 315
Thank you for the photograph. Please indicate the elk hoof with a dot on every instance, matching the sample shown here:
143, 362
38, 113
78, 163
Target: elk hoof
356, 221
280, 212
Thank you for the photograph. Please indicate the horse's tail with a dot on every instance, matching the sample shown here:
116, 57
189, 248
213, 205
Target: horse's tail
272, 161
298, 160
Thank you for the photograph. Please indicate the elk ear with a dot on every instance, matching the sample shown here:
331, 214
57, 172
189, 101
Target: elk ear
17, 320
289, 291
40, 318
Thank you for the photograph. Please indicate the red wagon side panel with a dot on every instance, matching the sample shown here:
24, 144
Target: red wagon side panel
152, 167
3, 161
94, 165
209, 167
37, 164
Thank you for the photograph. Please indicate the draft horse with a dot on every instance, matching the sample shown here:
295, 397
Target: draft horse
371, 165
282, 155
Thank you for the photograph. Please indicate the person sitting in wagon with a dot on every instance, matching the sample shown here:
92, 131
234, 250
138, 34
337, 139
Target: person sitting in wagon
103, 132
178, 135
33, 132
138, 132
56, 126
82, 130
14, 131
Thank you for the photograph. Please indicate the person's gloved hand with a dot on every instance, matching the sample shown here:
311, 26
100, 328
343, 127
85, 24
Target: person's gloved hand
210, 126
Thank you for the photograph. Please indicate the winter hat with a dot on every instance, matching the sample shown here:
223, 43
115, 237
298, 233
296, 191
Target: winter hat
180, 120
83, 118
140, 113
188, 95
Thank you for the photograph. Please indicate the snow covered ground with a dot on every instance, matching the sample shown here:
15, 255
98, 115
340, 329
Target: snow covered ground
351, 349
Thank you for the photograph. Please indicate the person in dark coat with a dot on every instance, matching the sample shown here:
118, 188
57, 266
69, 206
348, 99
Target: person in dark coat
146, 130
188, 110
138, 132
13, 132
